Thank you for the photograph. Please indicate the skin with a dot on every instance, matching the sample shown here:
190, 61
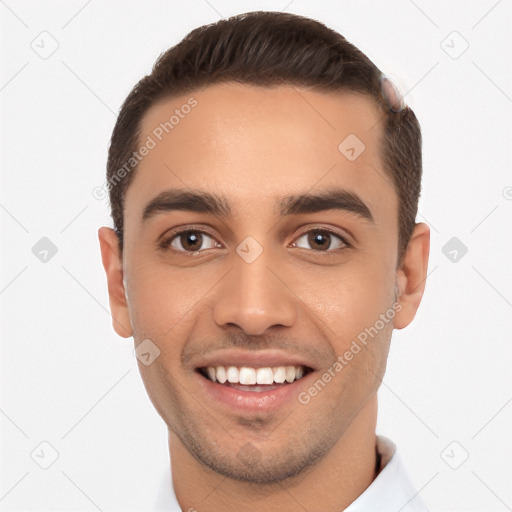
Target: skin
251, 145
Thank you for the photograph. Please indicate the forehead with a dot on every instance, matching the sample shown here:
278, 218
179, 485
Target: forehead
253, 144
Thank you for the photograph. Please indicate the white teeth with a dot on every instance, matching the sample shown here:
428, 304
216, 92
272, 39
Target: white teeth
211, 373
250, 376
279, 374
220, 373
264, 376
247, 376
233, 374
290, 373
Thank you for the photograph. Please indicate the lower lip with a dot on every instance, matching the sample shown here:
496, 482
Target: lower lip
267, 400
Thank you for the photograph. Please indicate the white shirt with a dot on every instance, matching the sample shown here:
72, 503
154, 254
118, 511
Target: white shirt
391, 491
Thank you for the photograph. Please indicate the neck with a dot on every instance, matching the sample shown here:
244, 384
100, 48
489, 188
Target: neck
330, 485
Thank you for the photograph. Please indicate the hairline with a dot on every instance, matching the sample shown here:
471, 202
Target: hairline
338, 90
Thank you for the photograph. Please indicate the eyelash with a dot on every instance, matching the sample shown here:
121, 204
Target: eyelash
166, 243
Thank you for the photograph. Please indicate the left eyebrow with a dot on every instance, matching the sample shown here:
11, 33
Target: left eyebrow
206, 202
329, 199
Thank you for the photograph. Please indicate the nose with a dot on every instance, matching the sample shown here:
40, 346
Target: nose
255, 296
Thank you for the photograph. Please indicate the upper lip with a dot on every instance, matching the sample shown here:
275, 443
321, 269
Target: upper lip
253, 359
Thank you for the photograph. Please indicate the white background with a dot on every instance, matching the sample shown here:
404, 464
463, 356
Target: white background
68, 379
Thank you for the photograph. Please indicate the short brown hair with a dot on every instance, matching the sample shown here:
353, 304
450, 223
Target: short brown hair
267, 49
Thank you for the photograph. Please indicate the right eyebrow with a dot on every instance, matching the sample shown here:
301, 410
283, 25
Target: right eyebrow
176, 199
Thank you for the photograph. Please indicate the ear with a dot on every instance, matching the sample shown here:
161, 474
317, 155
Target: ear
113, 265
412, 275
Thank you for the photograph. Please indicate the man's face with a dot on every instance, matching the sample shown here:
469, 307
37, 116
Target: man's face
210, 298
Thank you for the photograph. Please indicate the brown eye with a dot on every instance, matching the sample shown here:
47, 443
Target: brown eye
321, 240
191, 241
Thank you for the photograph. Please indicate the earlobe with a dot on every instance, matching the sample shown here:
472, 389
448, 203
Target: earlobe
113, 265
412, 275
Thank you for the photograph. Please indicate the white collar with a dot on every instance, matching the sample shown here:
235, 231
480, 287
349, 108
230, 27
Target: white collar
391, 491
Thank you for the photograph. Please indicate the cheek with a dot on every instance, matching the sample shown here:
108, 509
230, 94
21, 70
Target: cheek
349, 299
163, 301
152, 299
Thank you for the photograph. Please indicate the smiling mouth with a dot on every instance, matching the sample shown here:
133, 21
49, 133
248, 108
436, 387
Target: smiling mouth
254, 379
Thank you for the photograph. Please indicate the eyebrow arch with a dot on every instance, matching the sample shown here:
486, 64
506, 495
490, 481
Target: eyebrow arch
177, 199
331, 199
206, 202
